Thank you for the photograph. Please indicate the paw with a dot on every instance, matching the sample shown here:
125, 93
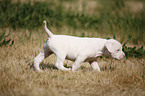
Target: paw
68, 69
73, 70
99, 70
39, 70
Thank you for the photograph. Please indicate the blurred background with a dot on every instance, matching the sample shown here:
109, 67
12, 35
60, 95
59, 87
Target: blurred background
122, 18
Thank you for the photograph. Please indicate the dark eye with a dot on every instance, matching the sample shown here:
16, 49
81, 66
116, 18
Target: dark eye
118, 50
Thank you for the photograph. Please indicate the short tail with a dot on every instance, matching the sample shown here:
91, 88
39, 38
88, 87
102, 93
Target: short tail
47, 30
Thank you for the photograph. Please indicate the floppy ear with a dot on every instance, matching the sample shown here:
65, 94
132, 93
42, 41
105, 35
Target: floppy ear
109, 46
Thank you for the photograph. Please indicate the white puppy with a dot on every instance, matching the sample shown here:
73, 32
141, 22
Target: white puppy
77, 49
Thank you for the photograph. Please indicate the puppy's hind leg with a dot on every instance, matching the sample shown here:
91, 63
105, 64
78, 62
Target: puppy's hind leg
59, 62
45, 52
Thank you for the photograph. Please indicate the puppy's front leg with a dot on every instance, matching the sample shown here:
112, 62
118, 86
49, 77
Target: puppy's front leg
95, 66
78, 62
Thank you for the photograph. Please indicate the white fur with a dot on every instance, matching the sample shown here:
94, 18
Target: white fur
78, 50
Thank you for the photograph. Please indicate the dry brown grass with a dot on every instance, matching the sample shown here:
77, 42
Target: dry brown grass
118, 78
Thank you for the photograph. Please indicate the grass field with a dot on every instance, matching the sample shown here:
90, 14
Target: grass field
117, 78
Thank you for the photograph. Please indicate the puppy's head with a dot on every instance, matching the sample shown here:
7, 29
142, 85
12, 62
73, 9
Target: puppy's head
114, 49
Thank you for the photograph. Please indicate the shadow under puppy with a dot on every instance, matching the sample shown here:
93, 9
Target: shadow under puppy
77, 49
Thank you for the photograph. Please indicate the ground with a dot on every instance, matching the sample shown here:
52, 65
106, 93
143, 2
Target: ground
18, 78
